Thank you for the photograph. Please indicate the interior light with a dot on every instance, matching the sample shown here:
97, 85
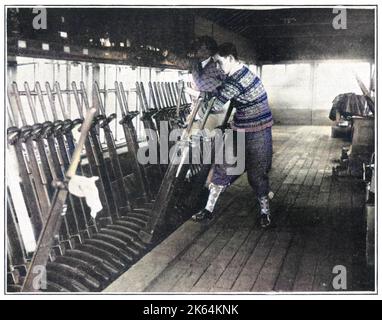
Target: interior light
63, 34
22, 44
107, 43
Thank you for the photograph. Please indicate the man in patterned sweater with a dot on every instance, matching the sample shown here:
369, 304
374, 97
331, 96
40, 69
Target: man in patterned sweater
253, 116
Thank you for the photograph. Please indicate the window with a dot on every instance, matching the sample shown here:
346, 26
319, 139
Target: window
287, 85
42, 70
335, 77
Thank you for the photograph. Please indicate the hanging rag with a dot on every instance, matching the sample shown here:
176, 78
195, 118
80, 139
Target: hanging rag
85, 187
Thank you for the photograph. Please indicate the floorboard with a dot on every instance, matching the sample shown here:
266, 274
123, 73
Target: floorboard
318, 224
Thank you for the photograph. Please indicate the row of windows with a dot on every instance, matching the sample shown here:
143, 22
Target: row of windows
64, 72
294, 85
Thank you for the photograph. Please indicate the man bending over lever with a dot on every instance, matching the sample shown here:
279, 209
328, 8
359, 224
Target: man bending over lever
205, 74
253, 116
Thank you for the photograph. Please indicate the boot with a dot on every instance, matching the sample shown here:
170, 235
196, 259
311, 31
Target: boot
202, 215
265, 213
207, 212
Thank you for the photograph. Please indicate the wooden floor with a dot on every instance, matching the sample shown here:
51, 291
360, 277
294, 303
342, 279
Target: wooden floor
318, 225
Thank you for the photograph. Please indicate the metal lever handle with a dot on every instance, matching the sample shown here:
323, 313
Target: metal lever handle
77, 151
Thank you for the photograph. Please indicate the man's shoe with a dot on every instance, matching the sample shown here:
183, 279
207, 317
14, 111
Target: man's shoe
265, 220
265, 213
203, 215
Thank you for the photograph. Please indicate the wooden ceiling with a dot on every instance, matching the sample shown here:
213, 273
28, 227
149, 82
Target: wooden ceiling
300, 33
279, 34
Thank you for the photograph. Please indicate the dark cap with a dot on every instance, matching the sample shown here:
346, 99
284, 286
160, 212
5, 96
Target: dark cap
206, 41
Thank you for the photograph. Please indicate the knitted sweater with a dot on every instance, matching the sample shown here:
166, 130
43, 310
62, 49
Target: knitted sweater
248, 96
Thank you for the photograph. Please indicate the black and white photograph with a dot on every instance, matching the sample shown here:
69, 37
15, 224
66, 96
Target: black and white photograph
190, 150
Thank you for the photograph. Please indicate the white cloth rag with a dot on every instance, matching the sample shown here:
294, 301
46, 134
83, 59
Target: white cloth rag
85, 187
